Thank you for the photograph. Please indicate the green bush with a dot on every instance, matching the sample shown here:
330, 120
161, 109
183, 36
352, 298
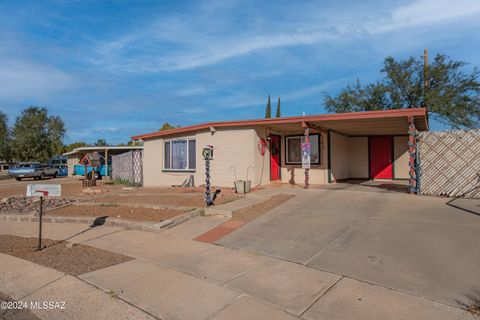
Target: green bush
125, 182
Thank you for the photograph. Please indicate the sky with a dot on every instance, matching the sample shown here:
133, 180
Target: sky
113, 69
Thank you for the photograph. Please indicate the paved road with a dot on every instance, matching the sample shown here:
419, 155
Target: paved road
8, 183
413, 244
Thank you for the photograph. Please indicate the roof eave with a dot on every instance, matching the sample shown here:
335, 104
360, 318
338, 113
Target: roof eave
296, 119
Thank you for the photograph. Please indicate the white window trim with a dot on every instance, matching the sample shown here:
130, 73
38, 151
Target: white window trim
187, 139
300, 162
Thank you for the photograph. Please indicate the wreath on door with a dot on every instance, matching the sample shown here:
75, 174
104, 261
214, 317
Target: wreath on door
262, 146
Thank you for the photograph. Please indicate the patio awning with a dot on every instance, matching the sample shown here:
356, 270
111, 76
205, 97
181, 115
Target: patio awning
383, 122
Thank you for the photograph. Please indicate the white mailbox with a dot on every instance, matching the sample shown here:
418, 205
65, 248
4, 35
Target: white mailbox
44, 190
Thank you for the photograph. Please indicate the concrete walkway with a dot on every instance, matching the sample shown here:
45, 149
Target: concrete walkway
73, 299
174, 277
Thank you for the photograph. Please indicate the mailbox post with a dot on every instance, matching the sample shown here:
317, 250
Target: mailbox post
42, 190
40, 218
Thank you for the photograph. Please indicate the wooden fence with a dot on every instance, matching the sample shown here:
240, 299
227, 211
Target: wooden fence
128, 166
449, 163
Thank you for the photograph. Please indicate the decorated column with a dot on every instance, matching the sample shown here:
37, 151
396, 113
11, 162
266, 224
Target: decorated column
412, 151
306, 152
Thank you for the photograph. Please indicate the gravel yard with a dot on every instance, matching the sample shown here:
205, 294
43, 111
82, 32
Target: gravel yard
184, 200
24, 205
74, 259
107, 199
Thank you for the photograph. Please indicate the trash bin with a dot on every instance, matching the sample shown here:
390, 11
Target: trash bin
242, 186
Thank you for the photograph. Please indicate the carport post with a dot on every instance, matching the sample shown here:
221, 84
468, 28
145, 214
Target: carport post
412, 151
106, 164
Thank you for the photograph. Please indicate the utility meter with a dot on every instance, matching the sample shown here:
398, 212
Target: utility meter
207, 152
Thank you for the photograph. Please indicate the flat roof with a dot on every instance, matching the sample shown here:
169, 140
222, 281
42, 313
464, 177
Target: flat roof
102, 148
351, 123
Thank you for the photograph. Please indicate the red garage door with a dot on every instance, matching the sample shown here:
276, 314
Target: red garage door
381, 158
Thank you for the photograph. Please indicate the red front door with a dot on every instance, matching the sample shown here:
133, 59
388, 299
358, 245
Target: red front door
274, 157
381, 158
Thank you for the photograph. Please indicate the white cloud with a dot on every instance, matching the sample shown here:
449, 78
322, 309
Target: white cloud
185, 42
425, 12
21, 80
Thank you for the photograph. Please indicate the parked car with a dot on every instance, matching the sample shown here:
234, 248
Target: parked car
35, 170
61, 164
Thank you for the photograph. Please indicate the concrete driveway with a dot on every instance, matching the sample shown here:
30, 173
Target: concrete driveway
413, 244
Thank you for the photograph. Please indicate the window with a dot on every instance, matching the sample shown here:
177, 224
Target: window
294, 149
179, 155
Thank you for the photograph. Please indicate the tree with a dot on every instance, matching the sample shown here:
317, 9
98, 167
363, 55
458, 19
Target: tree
101, 143
72, 146
268, 110
5, 154
36, 136
167, 126
135, 143
452, 96
278, 114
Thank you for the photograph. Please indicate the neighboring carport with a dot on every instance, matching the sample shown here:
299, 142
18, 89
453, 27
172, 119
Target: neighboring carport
77, 154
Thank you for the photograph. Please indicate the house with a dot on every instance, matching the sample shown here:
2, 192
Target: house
359, 145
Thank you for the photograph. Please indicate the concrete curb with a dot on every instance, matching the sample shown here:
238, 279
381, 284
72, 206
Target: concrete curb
229, 208
113, 222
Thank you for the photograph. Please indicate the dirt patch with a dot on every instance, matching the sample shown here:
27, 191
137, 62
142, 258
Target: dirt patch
117, 211
250, 213
74, 259
242, 217
26, 205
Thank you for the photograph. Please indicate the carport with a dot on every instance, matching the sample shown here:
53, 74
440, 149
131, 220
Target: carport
106, 152
376, 145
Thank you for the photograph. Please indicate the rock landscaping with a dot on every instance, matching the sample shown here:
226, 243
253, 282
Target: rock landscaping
117, 211
27, 205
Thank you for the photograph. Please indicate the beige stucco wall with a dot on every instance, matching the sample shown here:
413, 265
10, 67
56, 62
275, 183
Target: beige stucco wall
318, 173
232, 149
262, 163
358, 157
401, 157
339, 156
72, 160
